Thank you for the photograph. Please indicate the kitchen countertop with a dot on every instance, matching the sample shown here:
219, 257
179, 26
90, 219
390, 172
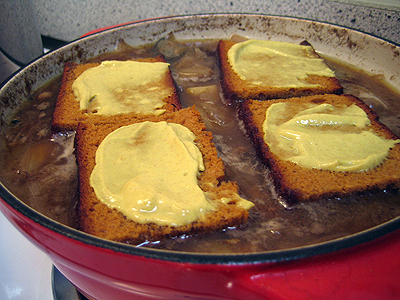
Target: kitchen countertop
68, 20
25, 270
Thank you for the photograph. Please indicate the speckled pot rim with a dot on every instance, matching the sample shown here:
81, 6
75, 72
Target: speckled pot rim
76, 49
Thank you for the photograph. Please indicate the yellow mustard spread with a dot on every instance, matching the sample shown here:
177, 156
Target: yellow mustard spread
238, 201
276, 64
324, 136
148, 171
117, 87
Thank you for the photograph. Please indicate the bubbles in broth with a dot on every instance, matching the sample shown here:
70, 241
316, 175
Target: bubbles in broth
38, 165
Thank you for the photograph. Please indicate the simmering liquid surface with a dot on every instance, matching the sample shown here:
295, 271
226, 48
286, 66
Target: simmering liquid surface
38, 165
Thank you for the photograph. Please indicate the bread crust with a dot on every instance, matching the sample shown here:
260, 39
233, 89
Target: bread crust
236, 89
295, 183
67, 113
98, 219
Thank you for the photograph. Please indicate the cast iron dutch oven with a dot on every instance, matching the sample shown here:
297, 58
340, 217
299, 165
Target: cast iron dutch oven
365, 265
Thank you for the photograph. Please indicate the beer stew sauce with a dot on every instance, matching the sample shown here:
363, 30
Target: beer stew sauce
38, 165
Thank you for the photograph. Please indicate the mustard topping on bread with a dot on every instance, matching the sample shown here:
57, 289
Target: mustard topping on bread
288, 64
116, 87
323, 136
148, 171
296, 183
99, 219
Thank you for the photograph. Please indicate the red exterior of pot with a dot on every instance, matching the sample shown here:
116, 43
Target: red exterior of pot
367, 271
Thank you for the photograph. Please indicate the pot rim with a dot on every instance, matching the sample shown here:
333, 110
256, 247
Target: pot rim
189, 257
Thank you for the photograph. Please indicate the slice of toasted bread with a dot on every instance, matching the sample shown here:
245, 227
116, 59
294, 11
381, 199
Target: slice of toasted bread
68, 114
296, 183
98, 219
236, 89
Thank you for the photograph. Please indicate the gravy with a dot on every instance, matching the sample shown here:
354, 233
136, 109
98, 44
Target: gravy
36, 162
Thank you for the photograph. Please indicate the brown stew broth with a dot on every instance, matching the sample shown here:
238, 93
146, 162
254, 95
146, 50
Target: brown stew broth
38, 165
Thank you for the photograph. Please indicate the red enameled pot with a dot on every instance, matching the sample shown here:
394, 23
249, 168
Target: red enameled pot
365, 265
